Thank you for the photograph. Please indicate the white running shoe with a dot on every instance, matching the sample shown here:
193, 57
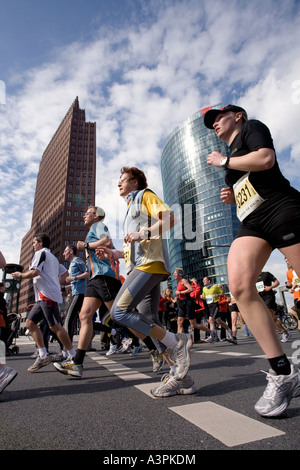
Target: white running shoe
126, 345
212, 338
112, 350
172, 386
181, 355
285, 337
7, 375
68, 367
278, 393
39, 363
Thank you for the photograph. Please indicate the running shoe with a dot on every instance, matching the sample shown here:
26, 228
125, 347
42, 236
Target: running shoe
112, 350
69, 367
278, 393
230, 337
7, 375
126, 345
285, 337
157, 360
181, 355
212, 338
58, 357
137, 350
172, 386
234, 340
39, 363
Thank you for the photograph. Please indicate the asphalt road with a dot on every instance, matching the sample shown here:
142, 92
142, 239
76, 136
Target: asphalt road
110, 409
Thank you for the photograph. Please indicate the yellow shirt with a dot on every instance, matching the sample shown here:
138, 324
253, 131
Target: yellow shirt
152, 205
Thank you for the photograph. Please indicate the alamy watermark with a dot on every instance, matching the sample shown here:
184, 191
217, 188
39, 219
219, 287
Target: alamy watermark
189, 225
2, 353
296, 353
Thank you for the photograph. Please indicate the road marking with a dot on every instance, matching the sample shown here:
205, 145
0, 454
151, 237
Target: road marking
236, 354
145, 388
230, 353
123, 372
207, 351
228, 426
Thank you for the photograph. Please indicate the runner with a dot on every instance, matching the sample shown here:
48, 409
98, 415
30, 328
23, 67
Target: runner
147, 264
269, 211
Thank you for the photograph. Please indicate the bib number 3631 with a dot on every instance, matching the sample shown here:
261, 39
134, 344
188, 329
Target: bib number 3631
247, 199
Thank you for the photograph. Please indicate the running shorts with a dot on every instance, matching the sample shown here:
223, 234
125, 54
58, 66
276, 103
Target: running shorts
213, 310
104, 288
270, 301
276, 222
187, 308
45, 309
233, 308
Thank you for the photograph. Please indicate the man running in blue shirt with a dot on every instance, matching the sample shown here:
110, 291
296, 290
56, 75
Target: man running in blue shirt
78, 274
103, 286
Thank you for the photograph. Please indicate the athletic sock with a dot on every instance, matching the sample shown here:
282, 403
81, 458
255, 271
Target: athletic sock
281, 365
71, 353
79, 356
43, 353
169, 340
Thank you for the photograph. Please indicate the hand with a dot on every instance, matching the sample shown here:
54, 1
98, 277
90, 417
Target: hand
227, 196
80, 245
16, 275
131, 237
69, 279
103, 252
214, 159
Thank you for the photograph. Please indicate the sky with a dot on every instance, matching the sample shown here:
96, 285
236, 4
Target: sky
139, 68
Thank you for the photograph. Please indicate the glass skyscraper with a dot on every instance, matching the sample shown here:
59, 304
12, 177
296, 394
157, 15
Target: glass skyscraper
206, 227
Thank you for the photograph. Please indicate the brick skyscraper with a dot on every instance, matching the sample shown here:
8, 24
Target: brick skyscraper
65, 188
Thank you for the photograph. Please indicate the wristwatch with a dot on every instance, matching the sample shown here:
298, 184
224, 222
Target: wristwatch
86, 246
147, 234
224, 162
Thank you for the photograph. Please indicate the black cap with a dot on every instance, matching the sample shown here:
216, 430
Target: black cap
211, 114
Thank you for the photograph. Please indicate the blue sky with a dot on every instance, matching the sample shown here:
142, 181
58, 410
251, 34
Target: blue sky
139, 68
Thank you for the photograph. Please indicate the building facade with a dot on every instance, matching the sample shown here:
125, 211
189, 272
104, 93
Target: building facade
65, 188
206, 227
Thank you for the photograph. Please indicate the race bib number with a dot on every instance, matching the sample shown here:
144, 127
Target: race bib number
247, 199
260, 286
127, 253
296, 280
209, 299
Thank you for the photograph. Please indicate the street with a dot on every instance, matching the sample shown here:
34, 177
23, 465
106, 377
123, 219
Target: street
111, 408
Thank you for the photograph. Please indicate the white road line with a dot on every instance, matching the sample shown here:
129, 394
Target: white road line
145, 388
230, 353
123, 372
207, 351
228, 426
236, 354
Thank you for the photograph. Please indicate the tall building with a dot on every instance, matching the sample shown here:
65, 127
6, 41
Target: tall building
65, 187
200, 242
